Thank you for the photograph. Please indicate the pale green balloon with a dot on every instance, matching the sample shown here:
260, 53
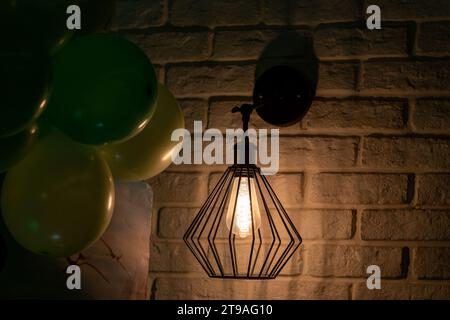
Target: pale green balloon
59, 199
149, 152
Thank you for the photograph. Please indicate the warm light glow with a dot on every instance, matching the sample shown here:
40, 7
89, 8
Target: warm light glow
142, 124
110, 202
244, 204
42, 105
167, 155
172, 151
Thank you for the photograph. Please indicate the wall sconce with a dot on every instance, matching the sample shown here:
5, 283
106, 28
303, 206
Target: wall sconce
242, 231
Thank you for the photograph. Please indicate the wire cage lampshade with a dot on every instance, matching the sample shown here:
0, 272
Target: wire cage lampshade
242, 230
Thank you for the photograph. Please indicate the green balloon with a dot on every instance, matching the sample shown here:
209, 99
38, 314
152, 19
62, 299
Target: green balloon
42, 24
148, 153
34, 24
25, 88
104, 89
59, 199
15, 148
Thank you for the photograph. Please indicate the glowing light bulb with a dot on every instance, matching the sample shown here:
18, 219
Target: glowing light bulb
243, 205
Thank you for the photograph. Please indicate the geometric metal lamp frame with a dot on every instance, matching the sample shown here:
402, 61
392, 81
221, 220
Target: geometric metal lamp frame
272, 239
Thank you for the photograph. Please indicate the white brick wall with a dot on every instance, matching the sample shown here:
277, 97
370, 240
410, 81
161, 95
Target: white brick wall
365, 175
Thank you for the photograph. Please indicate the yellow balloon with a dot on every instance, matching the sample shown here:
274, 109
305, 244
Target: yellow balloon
149, 152
59, 199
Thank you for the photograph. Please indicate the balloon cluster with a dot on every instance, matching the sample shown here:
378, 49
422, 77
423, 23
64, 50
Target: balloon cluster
77, 109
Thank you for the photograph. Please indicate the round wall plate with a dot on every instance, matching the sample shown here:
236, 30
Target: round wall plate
282, 95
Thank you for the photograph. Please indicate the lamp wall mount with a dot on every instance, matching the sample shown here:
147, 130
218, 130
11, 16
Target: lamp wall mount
283, 95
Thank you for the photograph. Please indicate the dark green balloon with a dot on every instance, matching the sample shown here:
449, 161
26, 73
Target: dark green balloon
15, 148
24, 89
42, 24
104, 89
34, 24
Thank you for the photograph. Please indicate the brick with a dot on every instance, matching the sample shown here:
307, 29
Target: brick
356, 113
133, 36
242, 44
211, 79
159, 70
275, 12
220, 116
401, 10
402, 291
323, 224
201, 288
214, 13
304, 290
288, 188
405, 225
138, 38
352, 261
310, 11
190, 288
173, 222
354, 188
295, 265
134, 14
337, 75
213, 180
347, 41
433, 189
317, 152
432, 114
432, 263
171, 257
434, 38
194, 110
409, 76
406, 152
179, 187
176, 46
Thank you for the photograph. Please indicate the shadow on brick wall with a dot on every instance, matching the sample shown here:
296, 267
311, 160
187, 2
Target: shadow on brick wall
294, 49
